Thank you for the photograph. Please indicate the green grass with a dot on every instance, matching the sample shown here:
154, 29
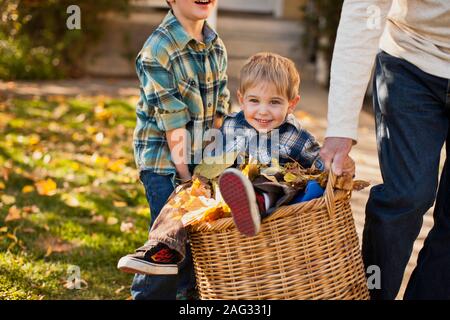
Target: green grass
85, 146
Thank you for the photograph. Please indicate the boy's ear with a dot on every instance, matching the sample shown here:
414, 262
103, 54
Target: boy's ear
240, 98
293, 103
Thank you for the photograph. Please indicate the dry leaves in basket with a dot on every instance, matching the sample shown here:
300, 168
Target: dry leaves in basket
196, 203
202, 201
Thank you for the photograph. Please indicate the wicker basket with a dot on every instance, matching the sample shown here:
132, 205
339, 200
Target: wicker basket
308, 250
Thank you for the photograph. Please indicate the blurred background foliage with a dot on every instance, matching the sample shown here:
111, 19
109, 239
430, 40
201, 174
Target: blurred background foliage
35, 42
321, 20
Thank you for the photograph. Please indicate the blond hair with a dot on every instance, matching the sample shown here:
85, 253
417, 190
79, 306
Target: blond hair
270, 68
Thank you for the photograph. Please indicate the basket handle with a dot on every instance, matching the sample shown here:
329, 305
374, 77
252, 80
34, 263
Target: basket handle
329, 194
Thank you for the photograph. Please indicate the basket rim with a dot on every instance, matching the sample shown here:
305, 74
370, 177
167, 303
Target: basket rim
227, 223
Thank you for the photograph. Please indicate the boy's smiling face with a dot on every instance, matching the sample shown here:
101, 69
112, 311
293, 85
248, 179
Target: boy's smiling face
194, 9
264, 107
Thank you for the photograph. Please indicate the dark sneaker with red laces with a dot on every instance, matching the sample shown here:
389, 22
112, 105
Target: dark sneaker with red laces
238, 193
159, 259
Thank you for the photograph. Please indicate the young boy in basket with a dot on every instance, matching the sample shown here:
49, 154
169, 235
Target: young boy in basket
183, 85
268, 94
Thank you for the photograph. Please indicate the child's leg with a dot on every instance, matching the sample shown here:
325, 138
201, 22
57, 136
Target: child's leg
158, 188
246, 205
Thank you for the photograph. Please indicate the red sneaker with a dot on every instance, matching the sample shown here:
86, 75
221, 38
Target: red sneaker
238, 193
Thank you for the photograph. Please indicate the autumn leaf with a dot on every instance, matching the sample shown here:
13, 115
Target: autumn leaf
33, 139
112, 221
2, 186
101, 113
290, 177
119, 204
120, 290
7, 199
359, 185
98, 219
13, 214
118, 165
127, 227
46, 187
49, 251
212, 167
70, 200
28, 189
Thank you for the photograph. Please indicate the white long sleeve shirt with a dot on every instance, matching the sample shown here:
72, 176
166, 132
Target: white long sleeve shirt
415, 30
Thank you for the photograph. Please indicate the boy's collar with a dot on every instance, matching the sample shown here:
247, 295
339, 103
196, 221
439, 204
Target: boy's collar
182, 38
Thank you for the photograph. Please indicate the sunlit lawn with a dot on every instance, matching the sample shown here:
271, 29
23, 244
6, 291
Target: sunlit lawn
69, 197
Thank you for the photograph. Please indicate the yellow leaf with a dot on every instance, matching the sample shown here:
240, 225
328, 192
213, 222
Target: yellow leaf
46, 187
6, 199
290, 177
117, 165
27, 189
101, 113
75, 166
2, 186
13, 214
251, 170
49, 251
211, 167
33, 139
4, 229
112, 220
119, 204
71, 200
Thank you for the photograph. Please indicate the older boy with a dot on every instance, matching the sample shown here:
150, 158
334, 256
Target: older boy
182, 73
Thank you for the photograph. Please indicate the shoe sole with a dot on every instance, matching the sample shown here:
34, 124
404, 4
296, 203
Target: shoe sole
133, 265
235, 189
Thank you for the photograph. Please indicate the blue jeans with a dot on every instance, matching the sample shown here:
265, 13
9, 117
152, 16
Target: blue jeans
158, 188
412, 112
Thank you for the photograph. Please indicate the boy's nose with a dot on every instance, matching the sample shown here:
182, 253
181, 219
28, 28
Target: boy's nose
263, 109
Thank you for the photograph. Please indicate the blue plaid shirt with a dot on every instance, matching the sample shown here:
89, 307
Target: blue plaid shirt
290, 142
183, 83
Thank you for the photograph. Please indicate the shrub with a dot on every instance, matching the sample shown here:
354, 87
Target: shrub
35, 42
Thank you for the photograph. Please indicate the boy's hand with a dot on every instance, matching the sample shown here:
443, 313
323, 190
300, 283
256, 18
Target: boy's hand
218, 121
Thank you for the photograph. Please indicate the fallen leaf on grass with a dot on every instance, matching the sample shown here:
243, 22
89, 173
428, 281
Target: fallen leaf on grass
112, 220
97, 219
55, 245
70, 200
119, 204
49, 251
127, 227
118, 165
31, 209
6, 199
27, 189
46, 187
13, 214
120, 290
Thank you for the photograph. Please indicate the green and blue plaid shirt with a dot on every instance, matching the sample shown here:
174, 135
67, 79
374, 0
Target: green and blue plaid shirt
183, 83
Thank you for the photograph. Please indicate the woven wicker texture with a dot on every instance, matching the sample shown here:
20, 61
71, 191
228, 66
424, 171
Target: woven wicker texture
308, 250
